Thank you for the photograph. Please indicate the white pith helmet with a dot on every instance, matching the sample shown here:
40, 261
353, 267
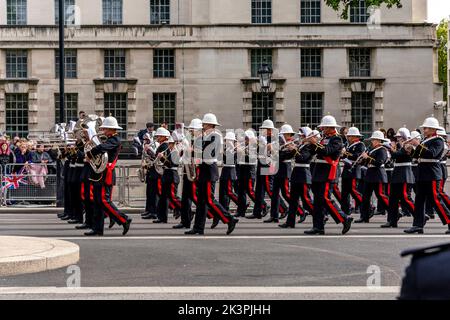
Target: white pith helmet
328, 122
354, 132
210, 118
416, 135
432, 123
314, 133
378, 135
306, 131
196, 124
441, 132
267, 124
110, 123
162, 132
286, 128
230, 136
403, 133
250, 134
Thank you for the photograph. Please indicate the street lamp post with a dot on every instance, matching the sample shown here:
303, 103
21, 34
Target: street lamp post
265, 73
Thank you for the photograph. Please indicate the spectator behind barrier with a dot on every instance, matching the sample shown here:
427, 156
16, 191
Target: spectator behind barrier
38, 168
22, 155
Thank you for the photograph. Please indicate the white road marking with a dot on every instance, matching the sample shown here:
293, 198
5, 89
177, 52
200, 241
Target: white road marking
198, 290
256, 237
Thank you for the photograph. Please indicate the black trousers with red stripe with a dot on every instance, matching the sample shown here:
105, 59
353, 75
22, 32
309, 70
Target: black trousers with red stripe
87, 197
399, 195
276, 201
369, 189
153, 191
104, 205
322, 192
245, 188
299, 191
168, 196
429, 190
349, 188
207, 200
263, 185
443, 194
227, 194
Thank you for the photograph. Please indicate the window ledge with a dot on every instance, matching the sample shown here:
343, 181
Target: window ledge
116, 80
19, 80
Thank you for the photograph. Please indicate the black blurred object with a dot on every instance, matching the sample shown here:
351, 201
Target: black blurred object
427, 277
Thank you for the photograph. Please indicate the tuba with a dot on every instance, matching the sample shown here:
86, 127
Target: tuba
99, 162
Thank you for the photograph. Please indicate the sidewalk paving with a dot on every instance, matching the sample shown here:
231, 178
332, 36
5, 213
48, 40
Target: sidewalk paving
41, 210
19, 255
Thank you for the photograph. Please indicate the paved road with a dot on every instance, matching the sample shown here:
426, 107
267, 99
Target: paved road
154, 259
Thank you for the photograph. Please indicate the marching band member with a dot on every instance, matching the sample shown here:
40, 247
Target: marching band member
169, 157
246, 160
376, 177
402, 178
76, 179
324, 177
264, 178
153, 179
228, 174
282, 176
103, 184
442, 192
429, 154
351, 174
300, 179
208, 176
189, 191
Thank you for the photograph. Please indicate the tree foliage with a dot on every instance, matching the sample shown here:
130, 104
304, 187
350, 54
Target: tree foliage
343, 6
442, 35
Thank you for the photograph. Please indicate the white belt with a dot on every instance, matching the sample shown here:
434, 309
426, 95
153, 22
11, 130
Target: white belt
429, 161
79, 165
403, 164
443, 162
321, 161
210, 161
229, 166
373, 166
72, 165
175, 168
302, 165
287, 161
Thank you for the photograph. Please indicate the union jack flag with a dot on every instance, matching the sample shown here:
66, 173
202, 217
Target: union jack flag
14, 180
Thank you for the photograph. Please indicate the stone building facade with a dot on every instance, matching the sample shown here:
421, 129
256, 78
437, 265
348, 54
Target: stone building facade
172, 60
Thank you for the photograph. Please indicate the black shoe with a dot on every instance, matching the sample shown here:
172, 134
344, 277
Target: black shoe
145, 213
302, 218
60, 215
180, 226
150, 216
265, 211
380, 213
314, 231
93, 233
84, 226
431, 216
427, 218
215, 223
389, 225
347, 225
362, 221
239, 215
272, 220
253, 217
159, 221
111, 224
126, 226
176, 214
65, 218
325, 219
283, 215
231, 226
194, 232
413, 230
286, 226
74, 221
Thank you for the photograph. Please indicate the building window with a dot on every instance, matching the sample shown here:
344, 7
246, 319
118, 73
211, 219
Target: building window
261, 11
16, 64
17, 114
258, 57
262, 108
115, 66
159, 11
362, 112
69, 10
311, 108
112, 12
116, 105
311, 63
164, 63
359, 12
16, 12
70, 64
70, 107
310, 11
164, 109
359, 62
